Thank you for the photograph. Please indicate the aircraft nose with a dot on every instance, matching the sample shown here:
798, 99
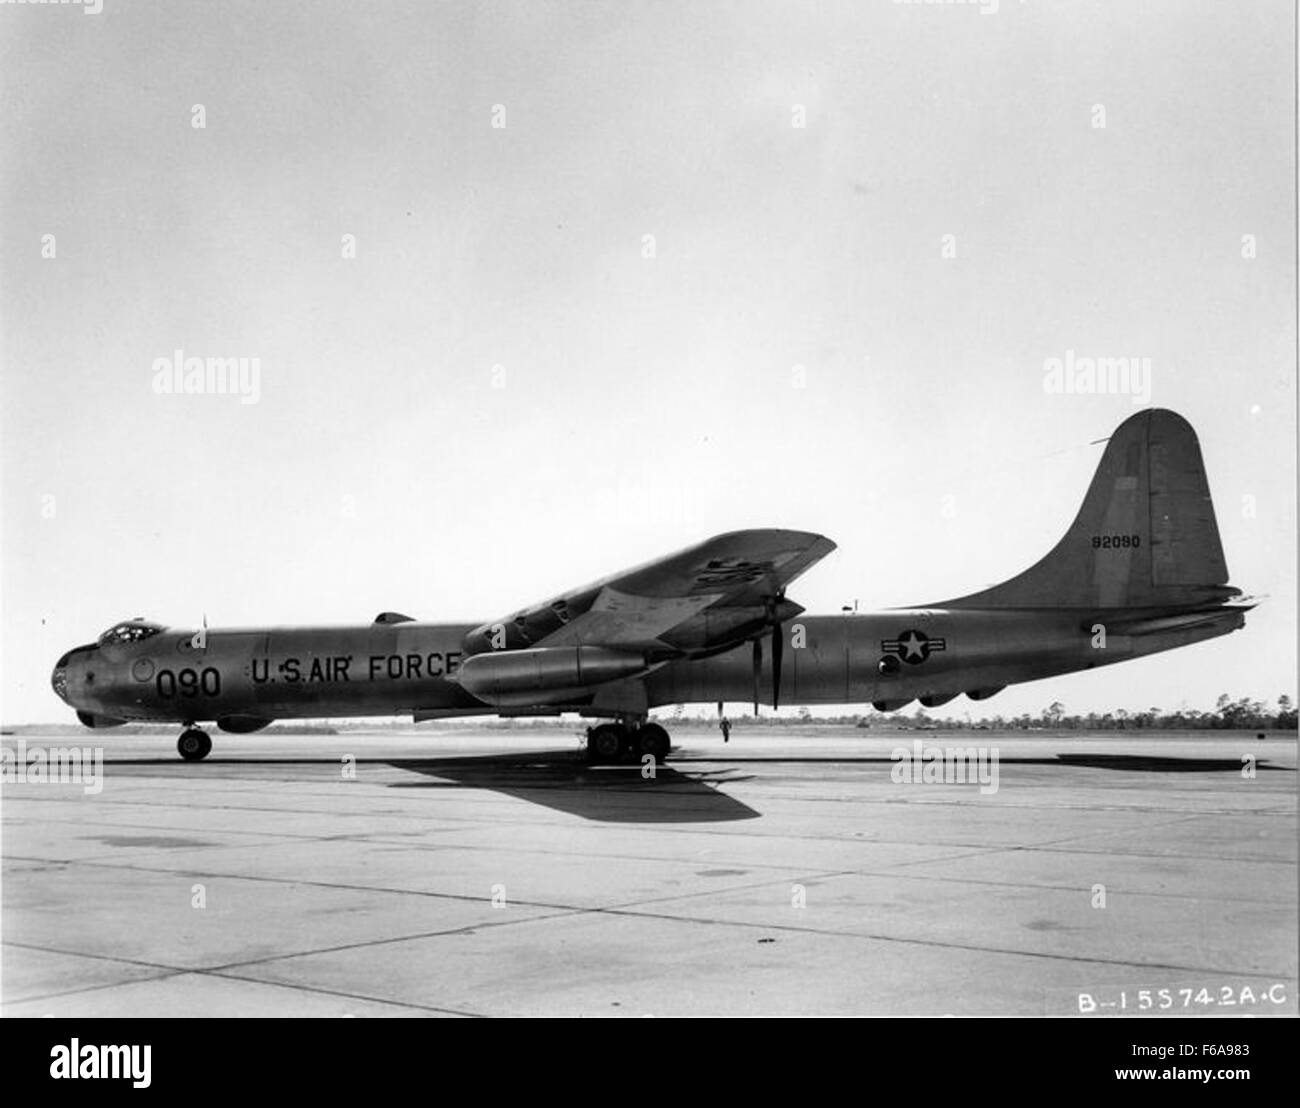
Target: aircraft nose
59, 679
63, 667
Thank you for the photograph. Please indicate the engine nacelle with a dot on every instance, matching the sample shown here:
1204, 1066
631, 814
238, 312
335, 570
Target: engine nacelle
243, 725
985, 693
98, 722
890, 705
528, 676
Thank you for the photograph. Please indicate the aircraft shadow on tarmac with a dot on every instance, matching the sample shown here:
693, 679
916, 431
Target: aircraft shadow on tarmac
565, 782
1132, 763
1154, 763
555, 779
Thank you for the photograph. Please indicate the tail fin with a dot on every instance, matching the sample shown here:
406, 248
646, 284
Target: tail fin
1146, 536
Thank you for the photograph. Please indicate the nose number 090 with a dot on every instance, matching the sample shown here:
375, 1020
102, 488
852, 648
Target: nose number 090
188, 682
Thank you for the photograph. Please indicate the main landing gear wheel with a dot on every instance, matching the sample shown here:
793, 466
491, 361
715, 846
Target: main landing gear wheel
605, 743
653, 740
194, 745
614, 742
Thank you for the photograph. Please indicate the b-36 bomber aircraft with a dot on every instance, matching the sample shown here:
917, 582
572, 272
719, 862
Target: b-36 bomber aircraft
1140, 570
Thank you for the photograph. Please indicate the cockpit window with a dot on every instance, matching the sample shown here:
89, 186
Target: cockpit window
131, 631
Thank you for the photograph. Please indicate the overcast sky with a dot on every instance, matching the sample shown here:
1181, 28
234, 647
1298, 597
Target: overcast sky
650, 307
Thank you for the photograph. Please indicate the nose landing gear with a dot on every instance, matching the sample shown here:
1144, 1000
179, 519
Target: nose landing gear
194, 745
613, 743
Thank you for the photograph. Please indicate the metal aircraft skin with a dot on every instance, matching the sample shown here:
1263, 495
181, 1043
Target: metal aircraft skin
1141, 570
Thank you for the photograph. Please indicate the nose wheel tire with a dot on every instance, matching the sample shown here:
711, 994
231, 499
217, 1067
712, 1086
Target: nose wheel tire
194, 745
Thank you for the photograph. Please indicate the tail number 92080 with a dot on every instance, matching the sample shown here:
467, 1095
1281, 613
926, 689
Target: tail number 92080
1115, 542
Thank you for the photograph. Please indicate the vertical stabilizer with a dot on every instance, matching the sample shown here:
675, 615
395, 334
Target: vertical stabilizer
1145, 537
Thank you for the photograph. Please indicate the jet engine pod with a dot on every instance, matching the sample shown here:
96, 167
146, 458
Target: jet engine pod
889, 665
243, 725
506, 676
985, 693
890, 705
933, 700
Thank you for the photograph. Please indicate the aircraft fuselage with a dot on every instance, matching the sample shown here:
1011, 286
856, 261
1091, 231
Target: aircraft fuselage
1140, 570
411, 667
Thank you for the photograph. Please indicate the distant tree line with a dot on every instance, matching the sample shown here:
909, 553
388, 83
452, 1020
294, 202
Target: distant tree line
1228, 715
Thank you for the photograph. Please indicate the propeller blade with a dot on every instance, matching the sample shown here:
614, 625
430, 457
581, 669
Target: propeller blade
778, 649
758, 666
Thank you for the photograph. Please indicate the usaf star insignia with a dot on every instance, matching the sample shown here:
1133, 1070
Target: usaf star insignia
913, 646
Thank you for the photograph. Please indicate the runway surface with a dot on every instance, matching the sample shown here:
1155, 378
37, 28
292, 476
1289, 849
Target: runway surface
493, 873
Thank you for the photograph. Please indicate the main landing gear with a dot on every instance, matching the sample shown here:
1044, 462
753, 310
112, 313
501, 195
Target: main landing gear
194, 745
624, 742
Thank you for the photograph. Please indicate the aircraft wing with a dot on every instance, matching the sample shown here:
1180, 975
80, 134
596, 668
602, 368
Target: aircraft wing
706, 597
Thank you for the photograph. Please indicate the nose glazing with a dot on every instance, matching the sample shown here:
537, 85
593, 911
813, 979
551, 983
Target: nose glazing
59, 679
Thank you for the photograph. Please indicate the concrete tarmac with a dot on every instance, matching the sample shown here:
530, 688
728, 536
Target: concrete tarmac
480, 872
